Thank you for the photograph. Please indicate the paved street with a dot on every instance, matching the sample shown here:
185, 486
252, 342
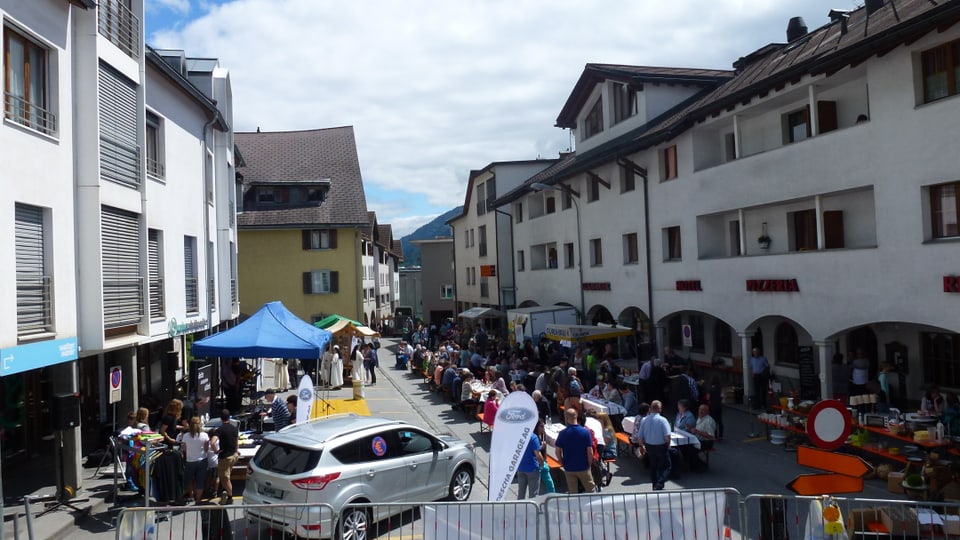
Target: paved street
752, 465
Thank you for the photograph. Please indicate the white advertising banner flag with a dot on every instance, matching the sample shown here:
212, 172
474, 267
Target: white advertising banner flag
513, 427
304, 399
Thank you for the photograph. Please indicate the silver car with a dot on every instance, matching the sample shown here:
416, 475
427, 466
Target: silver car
353, 459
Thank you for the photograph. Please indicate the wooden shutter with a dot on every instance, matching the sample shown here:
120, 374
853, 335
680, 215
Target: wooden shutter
122, 297
334, 281
826, 116
119, 153
333, 239
33, 314
308, 283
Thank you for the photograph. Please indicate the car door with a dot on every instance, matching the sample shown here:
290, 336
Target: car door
380, 466
428, 469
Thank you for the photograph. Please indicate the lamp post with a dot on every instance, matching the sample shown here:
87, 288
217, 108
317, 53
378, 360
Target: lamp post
539, 186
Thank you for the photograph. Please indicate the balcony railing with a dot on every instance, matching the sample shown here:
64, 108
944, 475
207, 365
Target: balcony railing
233, 291
155, 168
122, 302
192, 286
157, 308
212, 295
34, 305
119, 162
120, 26
28, 114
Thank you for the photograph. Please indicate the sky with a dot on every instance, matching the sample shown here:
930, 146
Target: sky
437, 88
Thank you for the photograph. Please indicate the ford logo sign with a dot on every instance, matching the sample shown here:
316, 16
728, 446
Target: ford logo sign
514, 416
306, 394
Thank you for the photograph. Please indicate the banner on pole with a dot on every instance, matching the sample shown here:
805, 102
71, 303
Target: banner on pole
514, 425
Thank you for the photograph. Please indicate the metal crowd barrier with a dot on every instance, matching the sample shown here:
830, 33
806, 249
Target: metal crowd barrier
668, 515
776, 517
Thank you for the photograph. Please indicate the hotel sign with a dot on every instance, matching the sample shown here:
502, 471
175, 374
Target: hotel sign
772, 285
951, 284
596, 286
689, 285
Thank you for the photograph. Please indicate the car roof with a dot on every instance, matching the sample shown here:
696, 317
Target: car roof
323, 430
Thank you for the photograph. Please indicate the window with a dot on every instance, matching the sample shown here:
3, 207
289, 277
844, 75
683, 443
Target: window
466, 238
566, 199
466, 271
568, 255
25, 83
321, 282
482, 233
551, 204
446, 291
191, 285
729, 147
414, 442
624, 102
804, 230
471, 243
155, 264
786, 344
735, 247
671, 244
484, 287
320, 239
941, 358
696, 332
628, 179
675, 333
34, 291
631, 254
596, 252
122, 285
941, 71
481, 199
833, 229
518, 213
520, 261
797, 125
722, 337
944, 209
668, 160
491, 192
593, 189
154, 146
593, 122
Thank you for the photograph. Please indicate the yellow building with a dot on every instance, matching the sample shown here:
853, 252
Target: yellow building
303, 226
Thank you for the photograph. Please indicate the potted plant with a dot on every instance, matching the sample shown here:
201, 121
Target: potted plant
915, 486
764, 241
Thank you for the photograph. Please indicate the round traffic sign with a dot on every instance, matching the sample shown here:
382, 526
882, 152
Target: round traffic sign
829, 424
115, 378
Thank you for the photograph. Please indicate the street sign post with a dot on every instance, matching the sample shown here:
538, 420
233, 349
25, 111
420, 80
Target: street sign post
116, 378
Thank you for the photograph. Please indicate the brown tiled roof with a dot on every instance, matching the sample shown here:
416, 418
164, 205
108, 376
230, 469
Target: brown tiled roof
396, 248
596, 73
385, 234
304, 156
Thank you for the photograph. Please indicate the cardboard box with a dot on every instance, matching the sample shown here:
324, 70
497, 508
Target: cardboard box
895, 482
859, 519
900, 520
951, 524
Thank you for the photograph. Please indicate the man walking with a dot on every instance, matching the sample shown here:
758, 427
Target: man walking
575, 454
654, 437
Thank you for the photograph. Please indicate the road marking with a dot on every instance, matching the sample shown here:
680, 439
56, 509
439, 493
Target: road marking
755, 439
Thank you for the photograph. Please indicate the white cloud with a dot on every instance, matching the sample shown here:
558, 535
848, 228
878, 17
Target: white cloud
435, 89
178, 6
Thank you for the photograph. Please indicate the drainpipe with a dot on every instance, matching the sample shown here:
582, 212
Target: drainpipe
646, 233
206, 236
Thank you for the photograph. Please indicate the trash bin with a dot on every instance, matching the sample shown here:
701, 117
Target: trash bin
358, 389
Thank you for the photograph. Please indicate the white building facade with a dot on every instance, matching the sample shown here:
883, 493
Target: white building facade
119, 171
804, 204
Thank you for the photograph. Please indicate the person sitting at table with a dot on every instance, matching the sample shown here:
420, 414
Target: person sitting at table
932, 402
707, 428
543, 408
500, 386
467, 400
610, 392
629, 399
609, 440
687, 422
643, 410
490, 408
596, 391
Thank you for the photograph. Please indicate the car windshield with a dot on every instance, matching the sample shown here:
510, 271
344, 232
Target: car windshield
286, 459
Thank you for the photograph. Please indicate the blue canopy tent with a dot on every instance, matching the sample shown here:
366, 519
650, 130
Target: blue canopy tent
272, 332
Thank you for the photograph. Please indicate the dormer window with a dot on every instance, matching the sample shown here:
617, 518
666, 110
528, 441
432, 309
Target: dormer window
624, 102
593, 122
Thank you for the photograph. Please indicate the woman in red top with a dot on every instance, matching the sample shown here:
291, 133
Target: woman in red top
490, 408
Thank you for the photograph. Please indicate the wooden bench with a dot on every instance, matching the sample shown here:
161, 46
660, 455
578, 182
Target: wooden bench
706, 454
483, 425
552, 463
623, 440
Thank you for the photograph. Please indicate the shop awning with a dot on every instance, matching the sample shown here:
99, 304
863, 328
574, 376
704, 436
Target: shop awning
482, 313
580, 332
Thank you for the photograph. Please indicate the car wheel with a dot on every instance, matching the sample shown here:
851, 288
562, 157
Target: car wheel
355, 524
461, 485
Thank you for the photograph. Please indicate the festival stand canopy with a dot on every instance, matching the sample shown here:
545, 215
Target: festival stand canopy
482, 313
337, 324
272, 332
579, 332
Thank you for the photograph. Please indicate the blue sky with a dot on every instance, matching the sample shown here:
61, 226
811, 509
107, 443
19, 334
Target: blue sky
437, 88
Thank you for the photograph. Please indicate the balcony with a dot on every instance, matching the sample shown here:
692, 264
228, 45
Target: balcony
155, 168
157, 308
122, 302
27, 114
192, 288
120, 26
34, 305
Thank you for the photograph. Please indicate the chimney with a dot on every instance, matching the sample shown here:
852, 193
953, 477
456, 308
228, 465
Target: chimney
796, 29
873, 5
841, 15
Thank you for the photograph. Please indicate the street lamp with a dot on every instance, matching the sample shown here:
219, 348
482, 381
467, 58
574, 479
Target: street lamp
563, 188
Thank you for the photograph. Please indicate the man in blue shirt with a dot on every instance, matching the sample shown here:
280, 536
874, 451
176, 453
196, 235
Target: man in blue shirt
575, 454
655, 439
760, 369
528, 470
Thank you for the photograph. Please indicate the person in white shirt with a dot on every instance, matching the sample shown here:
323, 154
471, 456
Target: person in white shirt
194, 445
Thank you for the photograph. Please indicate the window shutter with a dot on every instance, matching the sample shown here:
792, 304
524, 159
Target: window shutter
334, 281
33, 300
122, 297
307, 283
333, 239
117, 103
305, 239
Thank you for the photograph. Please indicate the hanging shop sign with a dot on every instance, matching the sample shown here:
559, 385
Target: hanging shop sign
689, 285
596, 286
951, 284
772, 285
175, 328
37, 355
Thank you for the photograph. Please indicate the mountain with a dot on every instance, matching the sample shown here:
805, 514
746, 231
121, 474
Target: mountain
433, 229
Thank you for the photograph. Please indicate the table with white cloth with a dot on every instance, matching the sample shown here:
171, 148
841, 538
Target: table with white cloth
480, 390
551, 431
601, 405
678, 437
